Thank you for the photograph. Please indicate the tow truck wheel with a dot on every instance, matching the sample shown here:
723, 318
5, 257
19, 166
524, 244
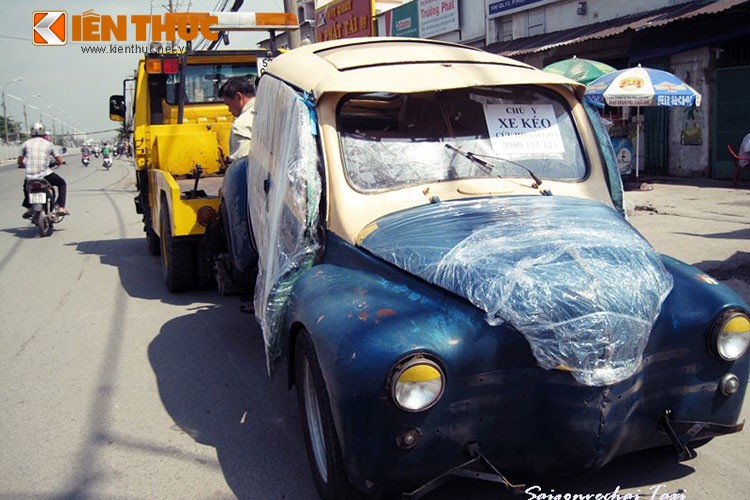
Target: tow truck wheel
152, 240
177, 257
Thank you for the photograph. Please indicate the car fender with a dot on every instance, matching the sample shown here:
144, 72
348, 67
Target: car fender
363, 323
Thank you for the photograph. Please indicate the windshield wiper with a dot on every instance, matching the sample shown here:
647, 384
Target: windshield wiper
490, 167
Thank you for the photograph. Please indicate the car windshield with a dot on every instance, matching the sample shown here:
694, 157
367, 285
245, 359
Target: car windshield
202, 82
392, 140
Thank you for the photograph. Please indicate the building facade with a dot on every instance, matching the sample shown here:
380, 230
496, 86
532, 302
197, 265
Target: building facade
705, 43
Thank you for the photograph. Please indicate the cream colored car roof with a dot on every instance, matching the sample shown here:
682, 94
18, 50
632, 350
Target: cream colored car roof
369, 65
404, 65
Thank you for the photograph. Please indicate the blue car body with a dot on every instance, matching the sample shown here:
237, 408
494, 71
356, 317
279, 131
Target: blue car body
365, 315
457, 233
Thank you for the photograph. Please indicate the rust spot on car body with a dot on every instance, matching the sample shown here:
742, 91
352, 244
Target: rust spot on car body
385, 312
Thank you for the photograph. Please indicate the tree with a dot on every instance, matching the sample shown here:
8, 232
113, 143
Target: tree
13, 128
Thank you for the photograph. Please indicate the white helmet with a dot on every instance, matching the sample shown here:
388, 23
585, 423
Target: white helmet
37, 130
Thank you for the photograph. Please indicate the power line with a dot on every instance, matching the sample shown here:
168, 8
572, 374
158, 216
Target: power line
16, 38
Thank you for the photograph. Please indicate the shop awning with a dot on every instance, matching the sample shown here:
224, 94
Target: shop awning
637, 24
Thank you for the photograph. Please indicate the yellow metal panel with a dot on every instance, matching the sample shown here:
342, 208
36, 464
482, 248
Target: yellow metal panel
180, 151
161, 182
183, 213
222, 58
195, 112
186, 215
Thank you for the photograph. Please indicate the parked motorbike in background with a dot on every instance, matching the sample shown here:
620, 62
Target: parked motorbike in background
43, 200
85, 160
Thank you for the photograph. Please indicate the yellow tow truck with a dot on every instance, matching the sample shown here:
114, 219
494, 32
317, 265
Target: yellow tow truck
180, 133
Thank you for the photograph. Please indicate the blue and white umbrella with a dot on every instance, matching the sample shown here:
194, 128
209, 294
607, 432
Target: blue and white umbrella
641, 87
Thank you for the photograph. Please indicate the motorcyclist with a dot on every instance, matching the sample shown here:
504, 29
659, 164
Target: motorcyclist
36, 155
85, 150
106, 153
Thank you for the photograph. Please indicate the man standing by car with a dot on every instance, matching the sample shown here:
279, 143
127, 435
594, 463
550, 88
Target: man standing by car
745, 150
239, 95
36, 155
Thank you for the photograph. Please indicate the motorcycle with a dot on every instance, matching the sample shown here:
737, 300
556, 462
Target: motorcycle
42, 198
107, 162
85, 160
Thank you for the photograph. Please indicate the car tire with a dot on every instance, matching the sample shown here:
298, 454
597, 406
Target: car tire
321, 440
177, 257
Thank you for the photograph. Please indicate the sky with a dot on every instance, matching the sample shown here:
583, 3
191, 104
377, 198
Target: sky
72, 86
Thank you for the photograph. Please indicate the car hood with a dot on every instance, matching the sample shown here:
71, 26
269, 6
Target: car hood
575, 278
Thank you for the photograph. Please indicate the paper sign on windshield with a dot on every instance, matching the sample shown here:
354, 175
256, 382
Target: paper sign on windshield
523, 128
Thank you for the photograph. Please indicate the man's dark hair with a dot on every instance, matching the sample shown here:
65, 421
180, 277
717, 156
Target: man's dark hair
241, 84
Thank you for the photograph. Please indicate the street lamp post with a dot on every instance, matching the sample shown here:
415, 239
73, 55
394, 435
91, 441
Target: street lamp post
5, 110
18, 133
53, 121
25, 115
25, 118
40, 111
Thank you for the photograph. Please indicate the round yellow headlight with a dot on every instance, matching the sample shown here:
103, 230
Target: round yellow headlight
417, 384
731, 335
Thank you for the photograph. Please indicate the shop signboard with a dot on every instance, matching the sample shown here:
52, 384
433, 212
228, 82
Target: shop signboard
437, 17
400, 21
499, 8
343, 19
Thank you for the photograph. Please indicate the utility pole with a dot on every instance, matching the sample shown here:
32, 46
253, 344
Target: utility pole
5, 119
295, 40
5, 110
25, 119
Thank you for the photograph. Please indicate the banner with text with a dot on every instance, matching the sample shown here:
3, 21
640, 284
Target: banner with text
437, 17
343, 19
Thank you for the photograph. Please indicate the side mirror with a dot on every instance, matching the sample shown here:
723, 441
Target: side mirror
117, 108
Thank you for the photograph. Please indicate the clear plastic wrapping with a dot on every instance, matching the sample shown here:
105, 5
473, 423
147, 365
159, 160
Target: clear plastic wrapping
284, 189
571, 275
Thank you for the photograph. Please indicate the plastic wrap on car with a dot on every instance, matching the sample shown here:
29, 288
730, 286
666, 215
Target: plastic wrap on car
571, 275
284, 189
614, 181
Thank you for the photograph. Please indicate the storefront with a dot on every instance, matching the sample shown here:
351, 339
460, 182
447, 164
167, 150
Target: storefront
707, 45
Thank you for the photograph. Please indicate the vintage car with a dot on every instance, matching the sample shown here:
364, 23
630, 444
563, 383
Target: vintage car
447, 276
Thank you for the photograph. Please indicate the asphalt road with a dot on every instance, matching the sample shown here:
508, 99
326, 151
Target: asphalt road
112, 388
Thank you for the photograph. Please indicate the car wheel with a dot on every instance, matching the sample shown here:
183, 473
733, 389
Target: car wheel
177, 257
323, 450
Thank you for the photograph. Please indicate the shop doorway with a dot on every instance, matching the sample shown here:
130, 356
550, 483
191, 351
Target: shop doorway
730, 120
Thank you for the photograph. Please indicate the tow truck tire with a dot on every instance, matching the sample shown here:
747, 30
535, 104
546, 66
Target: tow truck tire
152, 240
177, 257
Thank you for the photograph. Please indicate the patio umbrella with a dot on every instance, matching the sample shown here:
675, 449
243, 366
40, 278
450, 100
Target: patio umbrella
641, 87
581, 70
